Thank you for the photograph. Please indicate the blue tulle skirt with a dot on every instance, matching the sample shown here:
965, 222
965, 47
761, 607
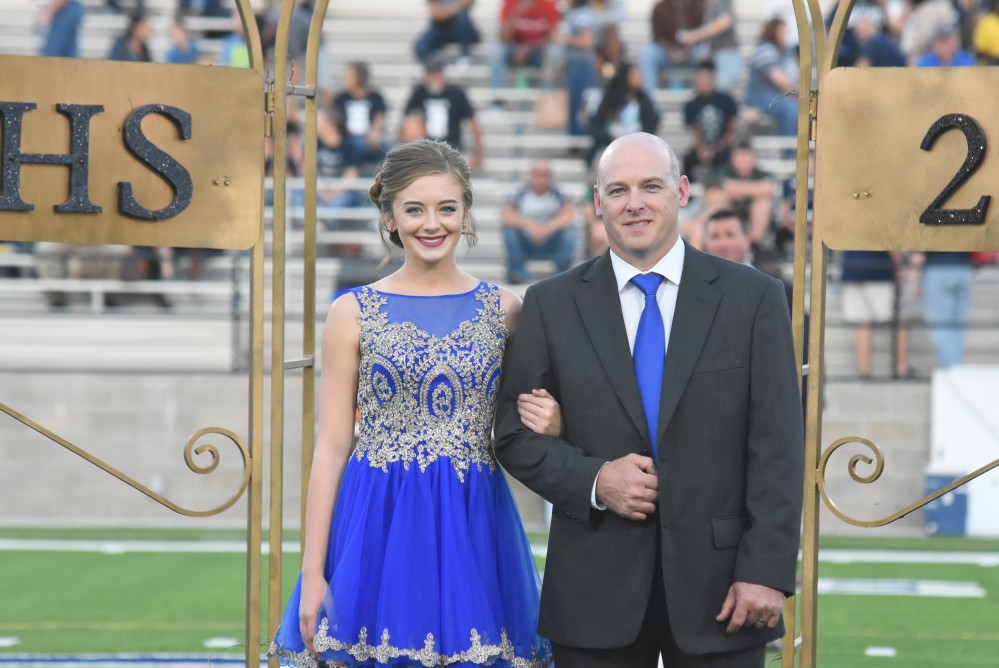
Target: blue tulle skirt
424, 570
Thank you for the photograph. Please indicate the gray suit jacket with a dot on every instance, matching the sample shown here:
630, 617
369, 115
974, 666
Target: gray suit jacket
730, 451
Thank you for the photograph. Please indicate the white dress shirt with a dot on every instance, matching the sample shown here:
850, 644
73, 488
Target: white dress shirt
632, 297
633, 303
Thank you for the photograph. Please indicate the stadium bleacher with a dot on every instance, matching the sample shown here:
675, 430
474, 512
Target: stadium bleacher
381, 32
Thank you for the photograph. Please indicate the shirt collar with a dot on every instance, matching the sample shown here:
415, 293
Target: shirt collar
670, 266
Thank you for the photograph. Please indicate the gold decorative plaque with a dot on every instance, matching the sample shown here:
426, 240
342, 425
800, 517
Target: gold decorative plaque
98, 152
909, 159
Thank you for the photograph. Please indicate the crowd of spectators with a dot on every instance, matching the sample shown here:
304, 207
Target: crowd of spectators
613, 86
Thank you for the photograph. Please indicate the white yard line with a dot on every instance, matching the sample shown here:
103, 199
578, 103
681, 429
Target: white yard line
900, 587
539, 550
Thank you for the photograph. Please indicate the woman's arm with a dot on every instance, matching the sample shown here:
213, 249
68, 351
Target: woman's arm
334, 442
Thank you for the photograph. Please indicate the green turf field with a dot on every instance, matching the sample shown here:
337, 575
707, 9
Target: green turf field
85, 601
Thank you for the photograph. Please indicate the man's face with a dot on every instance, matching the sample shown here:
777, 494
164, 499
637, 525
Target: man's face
743, 162
435, 82
639, 200
541, 178
725, 238
704, 84
945, 48
350, 79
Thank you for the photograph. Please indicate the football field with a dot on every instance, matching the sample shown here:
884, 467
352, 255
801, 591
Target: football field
74, 594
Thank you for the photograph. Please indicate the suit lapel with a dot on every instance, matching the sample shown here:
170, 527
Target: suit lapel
696, 304
599, 306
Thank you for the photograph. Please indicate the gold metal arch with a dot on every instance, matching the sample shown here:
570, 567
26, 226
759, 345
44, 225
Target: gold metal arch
190, 451
305, 88
879, 466
825, 47
250, 481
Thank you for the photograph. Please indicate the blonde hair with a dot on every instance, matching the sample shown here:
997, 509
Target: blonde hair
403, 166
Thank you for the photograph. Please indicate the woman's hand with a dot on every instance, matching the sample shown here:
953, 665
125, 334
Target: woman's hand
540, 413
313, 592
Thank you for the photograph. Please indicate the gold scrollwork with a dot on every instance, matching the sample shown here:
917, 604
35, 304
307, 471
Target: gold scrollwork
191, 450
879, 466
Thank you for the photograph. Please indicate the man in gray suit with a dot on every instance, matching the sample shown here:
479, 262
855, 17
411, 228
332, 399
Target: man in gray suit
675, 527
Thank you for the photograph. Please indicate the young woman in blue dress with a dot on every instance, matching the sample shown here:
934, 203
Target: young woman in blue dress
415, 554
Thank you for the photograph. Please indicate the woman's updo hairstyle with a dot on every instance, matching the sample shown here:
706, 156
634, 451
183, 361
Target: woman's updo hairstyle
404, 164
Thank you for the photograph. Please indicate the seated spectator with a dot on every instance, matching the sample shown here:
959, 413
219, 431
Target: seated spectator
331, 162
23, 248
203, 7
412, 128
445, 109
294, 164
62, 260
772, 88
922, 25
699, 209
608, 15
624, 108
538, 223
750, 191
235, 52
575, 48
703, 30
450, 23
183, 50
214, 9
986, 37
946, 50
525, 35
63, 18
131, 46
298, 31
665, 50
154, 263
784, 233
873, 47
725, 236
710, 117
362, 112
870, 286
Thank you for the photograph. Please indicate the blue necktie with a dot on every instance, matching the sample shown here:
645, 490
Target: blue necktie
650, 353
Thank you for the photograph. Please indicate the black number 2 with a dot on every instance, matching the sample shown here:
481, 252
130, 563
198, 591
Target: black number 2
934, 214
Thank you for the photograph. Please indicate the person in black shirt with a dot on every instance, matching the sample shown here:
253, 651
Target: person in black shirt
624, 108
361, 112
710, 117
444, 109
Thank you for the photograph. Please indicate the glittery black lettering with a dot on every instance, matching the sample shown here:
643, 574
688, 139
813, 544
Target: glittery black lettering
78, 158
159, 161
934, 213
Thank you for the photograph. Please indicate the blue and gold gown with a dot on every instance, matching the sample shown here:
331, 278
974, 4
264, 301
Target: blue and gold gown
428, 562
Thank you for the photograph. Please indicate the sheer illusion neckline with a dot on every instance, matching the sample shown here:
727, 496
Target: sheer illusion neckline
453, 294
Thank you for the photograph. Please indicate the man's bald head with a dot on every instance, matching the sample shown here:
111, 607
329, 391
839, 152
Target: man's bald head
638, 138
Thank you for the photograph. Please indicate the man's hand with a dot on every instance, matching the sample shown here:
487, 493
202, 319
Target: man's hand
751, 605
629, 487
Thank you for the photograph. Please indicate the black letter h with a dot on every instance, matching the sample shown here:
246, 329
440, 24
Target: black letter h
77, 159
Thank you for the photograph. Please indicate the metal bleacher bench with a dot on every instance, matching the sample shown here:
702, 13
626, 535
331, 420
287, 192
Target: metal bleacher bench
98, 288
